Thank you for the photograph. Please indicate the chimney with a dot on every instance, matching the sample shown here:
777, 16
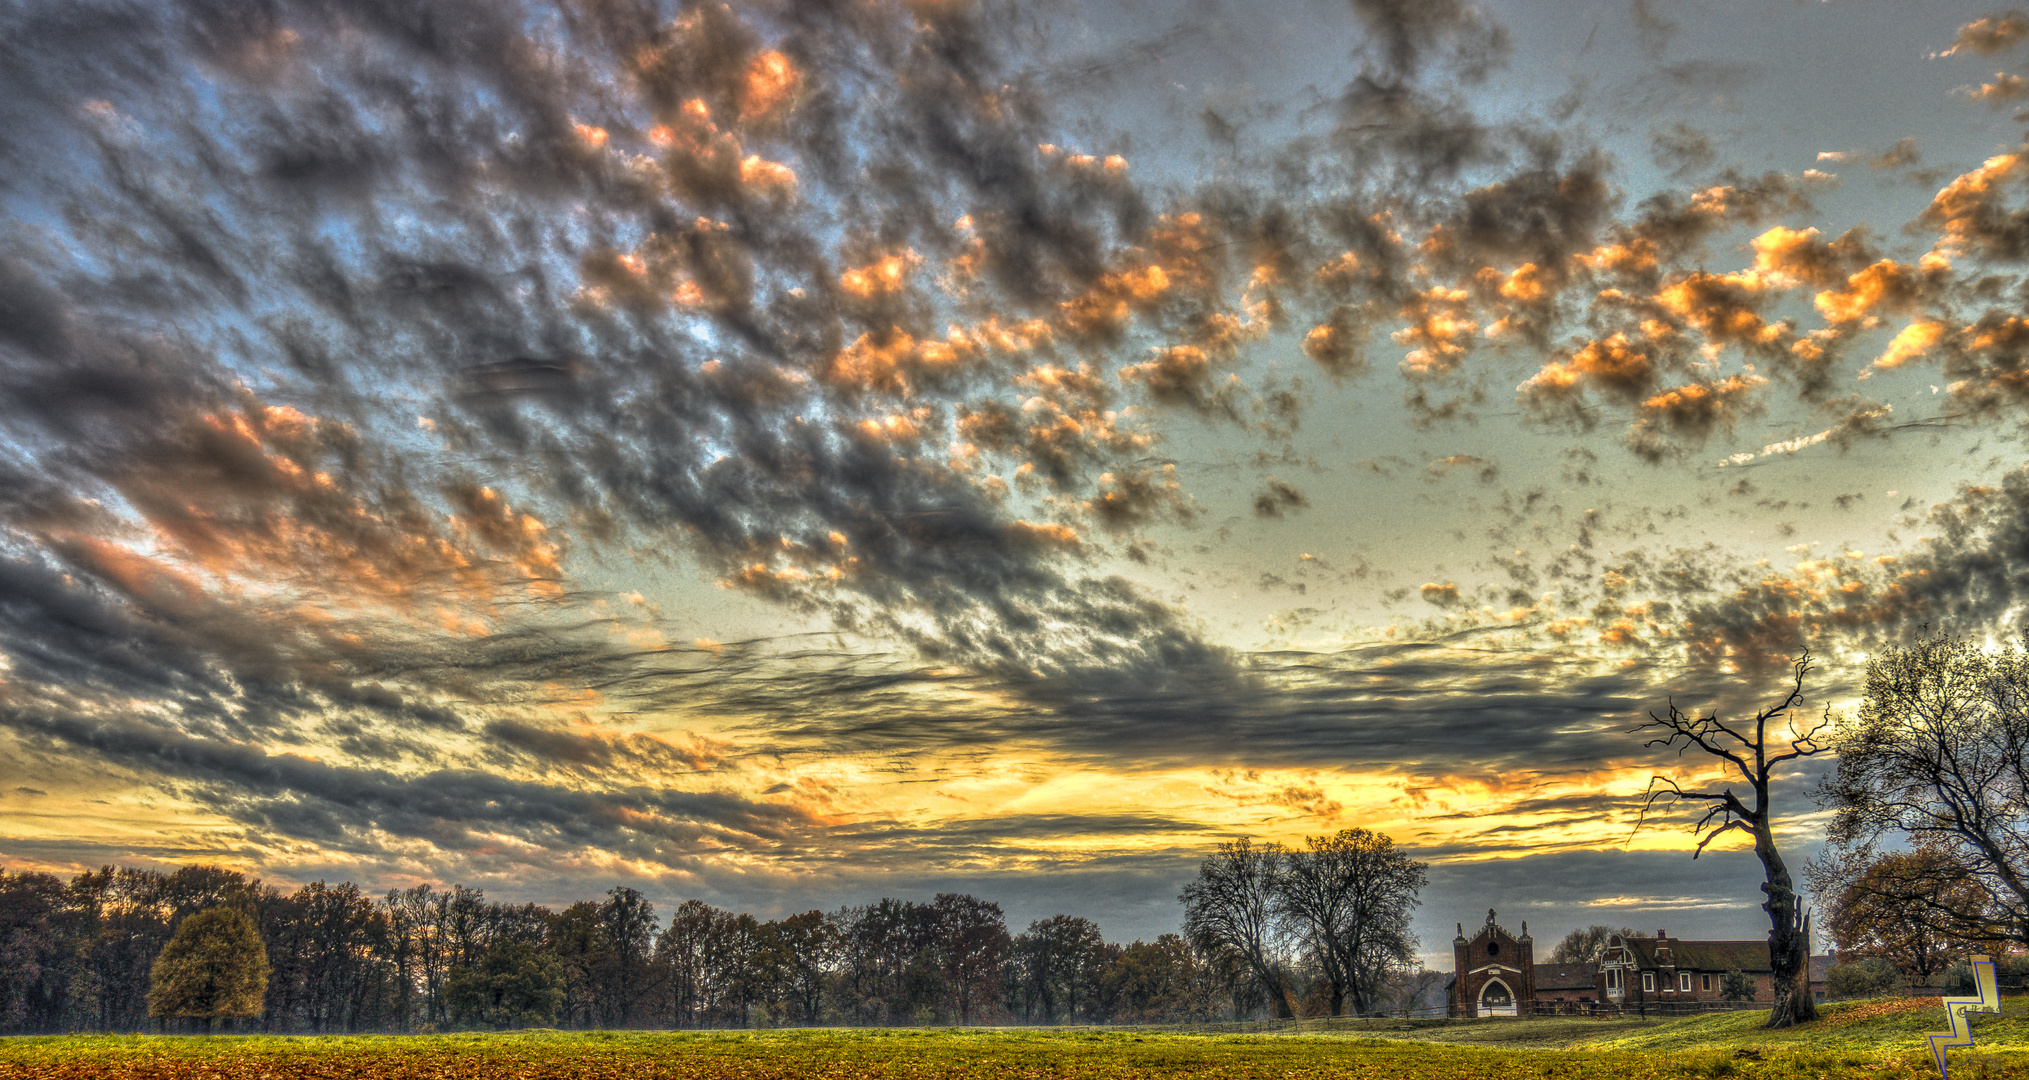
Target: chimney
1662, 934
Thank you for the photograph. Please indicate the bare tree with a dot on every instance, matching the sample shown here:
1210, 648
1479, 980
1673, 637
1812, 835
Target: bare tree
1940, 754
1750, 757
1584, 946
1349, 896
1230, 911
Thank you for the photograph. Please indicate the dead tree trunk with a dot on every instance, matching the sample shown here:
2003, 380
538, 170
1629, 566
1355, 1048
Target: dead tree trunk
1749, 757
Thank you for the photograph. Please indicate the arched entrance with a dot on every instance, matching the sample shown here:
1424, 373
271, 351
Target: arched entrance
1495, 999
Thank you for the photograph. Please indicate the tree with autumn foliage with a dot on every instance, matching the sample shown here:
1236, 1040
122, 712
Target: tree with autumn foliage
1917, 910
215, 965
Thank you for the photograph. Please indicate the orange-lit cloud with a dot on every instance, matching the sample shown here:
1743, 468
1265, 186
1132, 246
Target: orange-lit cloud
1440, 332
771, 84
882, 277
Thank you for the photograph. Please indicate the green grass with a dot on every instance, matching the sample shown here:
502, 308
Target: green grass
1850, 1043
1840, 1026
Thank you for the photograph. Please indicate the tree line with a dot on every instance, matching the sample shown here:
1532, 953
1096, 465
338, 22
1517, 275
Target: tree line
83, 954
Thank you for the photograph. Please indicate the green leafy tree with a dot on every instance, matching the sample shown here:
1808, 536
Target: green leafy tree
1736, 985
214, 965
514, 985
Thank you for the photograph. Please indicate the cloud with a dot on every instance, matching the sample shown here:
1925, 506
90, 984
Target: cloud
1278, 498
1683, 417
1681, 149
1990, 34
1408, 32
326, 429
1969, 213
2005, 88
351, 809
1442, 595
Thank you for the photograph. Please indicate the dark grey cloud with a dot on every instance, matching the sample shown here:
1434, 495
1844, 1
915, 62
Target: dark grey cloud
348, 809
1681, 148
1652, 29
1278, 497
1388, 707
1408, 33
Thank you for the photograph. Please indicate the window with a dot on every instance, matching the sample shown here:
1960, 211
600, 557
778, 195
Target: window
1684, 982
1613, 978
1648, 982
1706, 980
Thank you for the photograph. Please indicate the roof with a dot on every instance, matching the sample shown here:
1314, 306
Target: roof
1565, 976
1748, 956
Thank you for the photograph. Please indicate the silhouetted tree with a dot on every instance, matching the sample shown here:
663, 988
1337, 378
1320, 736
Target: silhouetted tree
887, 969
798, 953
972, 944
1058, 962
1749, 756
578, 942
38, 929
1230, 909
628, 922
1940, 754
1348, 896
1164, 981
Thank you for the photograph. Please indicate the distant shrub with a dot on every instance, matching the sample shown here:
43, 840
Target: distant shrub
1871, 977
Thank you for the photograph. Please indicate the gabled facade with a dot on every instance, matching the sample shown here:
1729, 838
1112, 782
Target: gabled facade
1665, 970
1496, 971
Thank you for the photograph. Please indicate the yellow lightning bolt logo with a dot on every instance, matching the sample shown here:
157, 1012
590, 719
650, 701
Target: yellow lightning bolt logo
1956, 1008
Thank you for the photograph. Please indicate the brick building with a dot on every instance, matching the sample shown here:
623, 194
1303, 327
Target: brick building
1496, 973
1662, 969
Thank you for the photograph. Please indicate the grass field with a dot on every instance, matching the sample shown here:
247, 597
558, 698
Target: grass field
1874, 1040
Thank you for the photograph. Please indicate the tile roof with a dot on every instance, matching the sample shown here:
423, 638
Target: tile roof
1565, 976
1749, 956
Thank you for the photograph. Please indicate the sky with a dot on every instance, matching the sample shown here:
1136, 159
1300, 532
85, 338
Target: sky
789, 454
